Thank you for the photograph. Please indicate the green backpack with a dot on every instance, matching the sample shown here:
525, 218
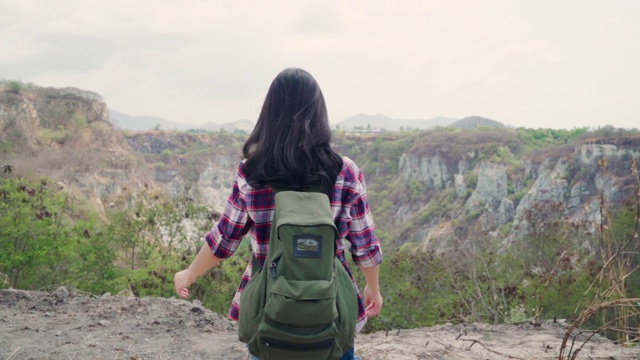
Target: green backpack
302, 303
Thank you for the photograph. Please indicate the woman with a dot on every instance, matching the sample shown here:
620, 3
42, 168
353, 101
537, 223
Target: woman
290, 149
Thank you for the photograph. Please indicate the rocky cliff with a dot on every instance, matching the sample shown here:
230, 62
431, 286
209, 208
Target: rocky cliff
66, 134
197, 165
565, 182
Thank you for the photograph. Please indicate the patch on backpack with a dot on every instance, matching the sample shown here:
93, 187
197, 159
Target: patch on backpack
307, 246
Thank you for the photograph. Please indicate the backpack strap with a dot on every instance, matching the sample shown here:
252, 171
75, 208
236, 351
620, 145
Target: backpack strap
317, 187
255, 265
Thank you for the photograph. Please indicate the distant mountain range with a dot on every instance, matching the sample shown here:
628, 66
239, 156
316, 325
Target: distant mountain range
242, 124
144, 122
359, 121
380, 121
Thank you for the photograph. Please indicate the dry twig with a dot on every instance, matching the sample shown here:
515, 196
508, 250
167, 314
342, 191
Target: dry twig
474, 341
13, 353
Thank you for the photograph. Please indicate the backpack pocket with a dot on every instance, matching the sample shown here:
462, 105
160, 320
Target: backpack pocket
279, 349
347, 303
252, 303
302, 303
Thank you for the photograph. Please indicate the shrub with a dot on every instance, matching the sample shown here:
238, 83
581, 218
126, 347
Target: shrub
101, 129
15, 87
471, 180
41, 246
58, 136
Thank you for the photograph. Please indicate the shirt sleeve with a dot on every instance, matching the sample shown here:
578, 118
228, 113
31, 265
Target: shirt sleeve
365, 249
226, 235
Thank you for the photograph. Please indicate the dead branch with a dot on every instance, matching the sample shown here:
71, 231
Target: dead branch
13, 353
474, 341
586, 314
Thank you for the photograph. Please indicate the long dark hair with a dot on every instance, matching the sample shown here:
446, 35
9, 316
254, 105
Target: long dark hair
290, 147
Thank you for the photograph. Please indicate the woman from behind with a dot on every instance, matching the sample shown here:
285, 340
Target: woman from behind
290, 149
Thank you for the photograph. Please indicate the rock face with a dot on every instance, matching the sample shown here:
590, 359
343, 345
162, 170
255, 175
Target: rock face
23, 115
431, 171
491, 188
506, 212
216, 180
461, 187
550, 186
591, 152
568, 186
191, 164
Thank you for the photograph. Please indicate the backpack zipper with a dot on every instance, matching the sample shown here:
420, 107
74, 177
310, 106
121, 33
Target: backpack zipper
274, 270
303, 347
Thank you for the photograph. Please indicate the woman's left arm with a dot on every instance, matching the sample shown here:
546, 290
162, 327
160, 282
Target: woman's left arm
204, 261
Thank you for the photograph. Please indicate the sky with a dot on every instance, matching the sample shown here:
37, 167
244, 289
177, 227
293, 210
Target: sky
538, 64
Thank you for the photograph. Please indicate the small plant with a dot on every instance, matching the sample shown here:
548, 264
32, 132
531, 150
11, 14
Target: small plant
59, 136
7, 169
78, 121
517, 315
15, 87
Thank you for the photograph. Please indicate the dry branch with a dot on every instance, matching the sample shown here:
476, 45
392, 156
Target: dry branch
474, 341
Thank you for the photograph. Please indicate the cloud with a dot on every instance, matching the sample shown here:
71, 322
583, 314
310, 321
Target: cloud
63, 54
318, 17
204, 60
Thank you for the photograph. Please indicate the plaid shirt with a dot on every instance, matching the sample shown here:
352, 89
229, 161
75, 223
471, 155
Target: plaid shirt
251, 209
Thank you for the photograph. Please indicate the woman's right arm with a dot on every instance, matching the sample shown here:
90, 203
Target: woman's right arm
365, 248
372, 297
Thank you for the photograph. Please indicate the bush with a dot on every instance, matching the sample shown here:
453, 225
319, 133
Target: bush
58, 136
15, 87
41, 246
471, 180
101, 129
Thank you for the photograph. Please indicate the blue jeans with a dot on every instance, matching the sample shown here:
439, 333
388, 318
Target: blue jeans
349, 355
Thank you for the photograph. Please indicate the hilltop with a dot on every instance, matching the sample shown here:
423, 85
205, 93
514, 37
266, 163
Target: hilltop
473, 122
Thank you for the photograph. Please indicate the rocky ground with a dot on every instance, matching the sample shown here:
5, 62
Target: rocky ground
60, 325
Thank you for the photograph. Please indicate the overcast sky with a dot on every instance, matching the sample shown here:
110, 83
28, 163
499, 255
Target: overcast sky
558, 64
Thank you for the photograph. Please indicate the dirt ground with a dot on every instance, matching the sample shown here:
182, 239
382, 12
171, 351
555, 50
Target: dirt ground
63, 325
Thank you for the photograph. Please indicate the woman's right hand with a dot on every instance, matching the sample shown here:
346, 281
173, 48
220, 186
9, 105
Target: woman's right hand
373, 300
182, 280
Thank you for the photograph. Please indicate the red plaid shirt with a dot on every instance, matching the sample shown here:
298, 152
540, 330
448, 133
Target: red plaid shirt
251, 209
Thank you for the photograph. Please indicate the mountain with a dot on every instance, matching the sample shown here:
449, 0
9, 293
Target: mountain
473, 122
381, 121
242, 125
145, 122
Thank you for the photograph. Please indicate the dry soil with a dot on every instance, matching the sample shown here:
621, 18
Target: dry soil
63, 325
